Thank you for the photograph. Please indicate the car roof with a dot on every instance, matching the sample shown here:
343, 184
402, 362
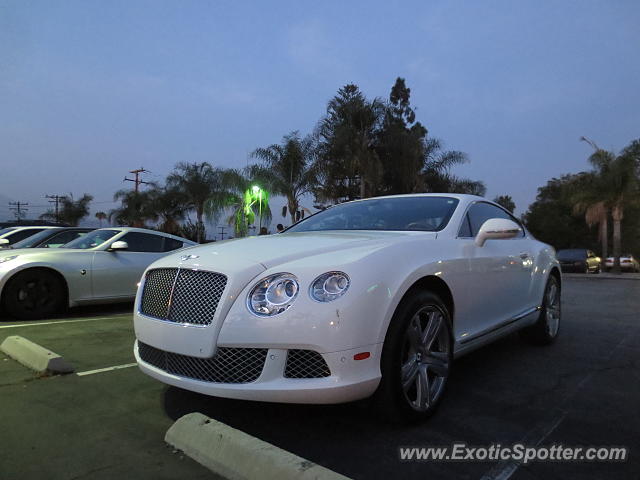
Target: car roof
24, 227
147, 230
459, 196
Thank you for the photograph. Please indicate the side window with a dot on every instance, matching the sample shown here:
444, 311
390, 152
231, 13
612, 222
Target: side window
61, 239
465, 228
171, 244
143, 242
22, 234
481, 212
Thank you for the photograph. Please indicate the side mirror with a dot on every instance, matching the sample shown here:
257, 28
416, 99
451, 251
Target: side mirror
496, 228
118, 245
4, 241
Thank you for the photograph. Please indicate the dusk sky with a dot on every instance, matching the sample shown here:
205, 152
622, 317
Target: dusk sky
92, 89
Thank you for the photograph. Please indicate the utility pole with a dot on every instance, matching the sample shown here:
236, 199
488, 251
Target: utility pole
222, 229
55, 199
137, 172
18, 209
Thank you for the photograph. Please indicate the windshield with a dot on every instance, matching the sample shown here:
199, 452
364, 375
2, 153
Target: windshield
574, 254
35, 239
426, 214
6, 230
91, 240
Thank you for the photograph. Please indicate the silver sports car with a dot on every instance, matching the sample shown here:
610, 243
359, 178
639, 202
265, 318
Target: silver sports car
102, 266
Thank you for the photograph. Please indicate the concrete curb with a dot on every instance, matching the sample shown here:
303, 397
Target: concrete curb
238, 456
34, 356
603, 276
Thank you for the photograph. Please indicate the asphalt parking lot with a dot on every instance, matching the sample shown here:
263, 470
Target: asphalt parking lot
584, 390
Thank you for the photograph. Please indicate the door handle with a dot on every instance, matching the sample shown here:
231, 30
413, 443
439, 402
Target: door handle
524, 255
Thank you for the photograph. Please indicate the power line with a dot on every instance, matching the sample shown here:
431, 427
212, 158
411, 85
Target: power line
137, 172
18, 209
55, 199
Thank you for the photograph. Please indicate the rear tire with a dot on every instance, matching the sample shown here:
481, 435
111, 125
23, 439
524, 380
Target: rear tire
416, 359
545, 330
33, 294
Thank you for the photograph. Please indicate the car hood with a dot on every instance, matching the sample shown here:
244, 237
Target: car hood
23, 252
272, 250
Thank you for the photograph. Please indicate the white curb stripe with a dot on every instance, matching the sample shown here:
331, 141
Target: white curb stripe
107, 369
37, 324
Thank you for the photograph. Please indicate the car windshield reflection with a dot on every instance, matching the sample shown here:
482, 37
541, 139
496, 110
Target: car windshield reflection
426, 214
92, 240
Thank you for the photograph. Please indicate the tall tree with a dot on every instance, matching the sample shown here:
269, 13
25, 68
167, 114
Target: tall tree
506, 201
101, 216
289, 169
348, 163
436, 173
616, 180
135, 208
197, 182
241, 197
400, 143
170, 206
70, 211
551, 219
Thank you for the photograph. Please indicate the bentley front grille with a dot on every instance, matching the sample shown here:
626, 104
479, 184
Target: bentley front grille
182, 295
229, 365
305, 364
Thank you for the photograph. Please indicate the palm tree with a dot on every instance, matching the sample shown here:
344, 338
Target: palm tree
614, 185
436, 173
586, 188
197, 182
134, 210
506, 201
71, 211
240, 198
101, 216
170, 206
289, 169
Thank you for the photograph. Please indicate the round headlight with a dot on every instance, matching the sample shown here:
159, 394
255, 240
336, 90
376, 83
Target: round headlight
273, 295
329, 286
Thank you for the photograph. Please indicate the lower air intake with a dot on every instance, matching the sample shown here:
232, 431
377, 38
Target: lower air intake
229, 365
305, 364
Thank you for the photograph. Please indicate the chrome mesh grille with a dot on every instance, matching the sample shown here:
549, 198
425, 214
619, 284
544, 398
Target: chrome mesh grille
229, 365
305, 364
182, 295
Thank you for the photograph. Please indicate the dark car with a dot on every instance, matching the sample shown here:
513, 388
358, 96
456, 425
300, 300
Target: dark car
52, 237
579, 260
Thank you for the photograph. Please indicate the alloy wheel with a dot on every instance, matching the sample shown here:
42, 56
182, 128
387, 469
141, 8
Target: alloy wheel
425, 360
34, 294
552, 307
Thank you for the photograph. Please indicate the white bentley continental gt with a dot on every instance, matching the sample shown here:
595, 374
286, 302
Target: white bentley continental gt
103, 266
368, 298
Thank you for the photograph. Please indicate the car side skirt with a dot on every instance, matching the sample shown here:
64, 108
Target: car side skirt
524, 319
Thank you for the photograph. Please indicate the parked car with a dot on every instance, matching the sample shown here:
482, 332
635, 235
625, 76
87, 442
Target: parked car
52, 237
102, 266
628, 263
12, 235
579, 260
371, 297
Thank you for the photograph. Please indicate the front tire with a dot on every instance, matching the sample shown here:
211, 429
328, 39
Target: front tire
33, 294
416, 358
545, 330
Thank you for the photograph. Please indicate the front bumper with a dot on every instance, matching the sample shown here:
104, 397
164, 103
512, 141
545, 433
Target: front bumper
350, 379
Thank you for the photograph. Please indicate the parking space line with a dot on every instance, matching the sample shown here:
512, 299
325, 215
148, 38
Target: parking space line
504, 469
37, 324
107, 369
